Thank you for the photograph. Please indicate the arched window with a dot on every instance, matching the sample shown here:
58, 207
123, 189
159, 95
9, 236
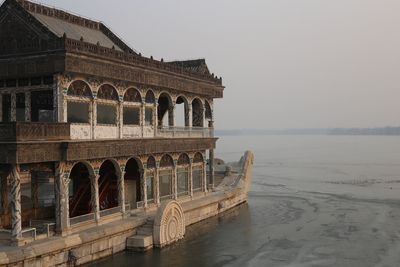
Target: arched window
165, 110
165, 176
208, 113
79, 106
132, 104
197, 172
148, 113
182, 112
107, 111
150, 172
183, 175
198, 110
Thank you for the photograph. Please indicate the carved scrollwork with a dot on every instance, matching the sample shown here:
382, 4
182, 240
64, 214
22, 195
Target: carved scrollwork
169, 224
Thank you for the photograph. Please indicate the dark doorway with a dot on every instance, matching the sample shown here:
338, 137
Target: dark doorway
133, 193
108, 186
80, 195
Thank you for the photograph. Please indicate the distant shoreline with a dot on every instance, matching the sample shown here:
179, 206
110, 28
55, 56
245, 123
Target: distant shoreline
382, 131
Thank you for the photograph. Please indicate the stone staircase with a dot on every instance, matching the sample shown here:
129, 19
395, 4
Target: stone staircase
143, 240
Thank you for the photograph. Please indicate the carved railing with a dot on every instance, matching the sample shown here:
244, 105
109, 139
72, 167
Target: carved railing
80, 219
179, 132
81, 46
110, 211
33, 131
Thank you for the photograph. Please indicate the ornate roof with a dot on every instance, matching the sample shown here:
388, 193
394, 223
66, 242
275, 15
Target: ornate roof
74, 27
196, 65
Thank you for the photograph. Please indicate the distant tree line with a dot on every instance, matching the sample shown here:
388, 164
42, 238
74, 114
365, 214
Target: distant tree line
313, 131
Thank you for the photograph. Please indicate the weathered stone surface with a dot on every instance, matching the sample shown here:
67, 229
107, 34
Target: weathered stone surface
169, 224
139, 242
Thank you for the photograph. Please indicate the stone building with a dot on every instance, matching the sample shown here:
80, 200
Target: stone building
88, 126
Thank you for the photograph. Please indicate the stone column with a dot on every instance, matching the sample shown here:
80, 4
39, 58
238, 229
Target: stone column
13, 106
121, 190
155, 117
62, 199
143, 175
94, 118
175, 180
28, 106
143, 115
16, 210
65, 110
120, 118
205, 176
94, 185
211, 168
190, 113
191, 178
157, 183
171, 116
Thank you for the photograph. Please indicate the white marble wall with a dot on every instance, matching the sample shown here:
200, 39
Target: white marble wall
81, 131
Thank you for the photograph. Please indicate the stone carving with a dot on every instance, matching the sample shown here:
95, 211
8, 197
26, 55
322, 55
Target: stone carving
169, 224
16, 203
132, 95
80, 89
108, 92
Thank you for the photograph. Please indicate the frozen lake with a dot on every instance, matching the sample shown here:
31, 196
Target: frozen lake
315, 201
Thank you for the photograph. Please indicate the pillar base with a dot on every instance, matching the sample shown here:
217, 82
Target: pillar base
18, 242
64, 232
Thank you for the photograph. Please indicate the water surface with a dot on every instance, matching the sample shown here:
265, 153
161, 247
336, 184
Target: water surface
314, 201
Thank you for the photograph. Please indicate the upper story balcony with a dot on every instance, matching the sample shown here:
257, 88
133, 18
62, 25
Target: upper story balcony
34, 131
80, 112
39, 131
182, 132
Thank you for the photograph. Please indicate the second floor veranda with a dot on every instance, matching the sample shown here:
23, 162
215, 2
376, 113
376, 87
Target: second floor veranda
80, 113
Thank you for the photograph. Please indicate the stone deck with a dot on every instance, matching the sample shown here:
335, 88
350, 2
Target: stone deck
105, 240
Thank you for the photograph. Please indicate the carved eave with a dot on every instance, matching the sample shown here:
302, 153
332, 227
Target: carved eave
138, 70
46, 151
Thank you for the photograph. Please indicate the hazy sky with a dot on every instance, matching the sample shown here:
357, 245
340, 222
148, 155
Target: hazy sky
285, 63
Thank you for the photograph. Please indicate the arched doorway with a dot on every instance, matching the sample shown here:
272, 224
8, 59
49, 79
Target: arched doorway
80, 195
133, 190
108, 185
